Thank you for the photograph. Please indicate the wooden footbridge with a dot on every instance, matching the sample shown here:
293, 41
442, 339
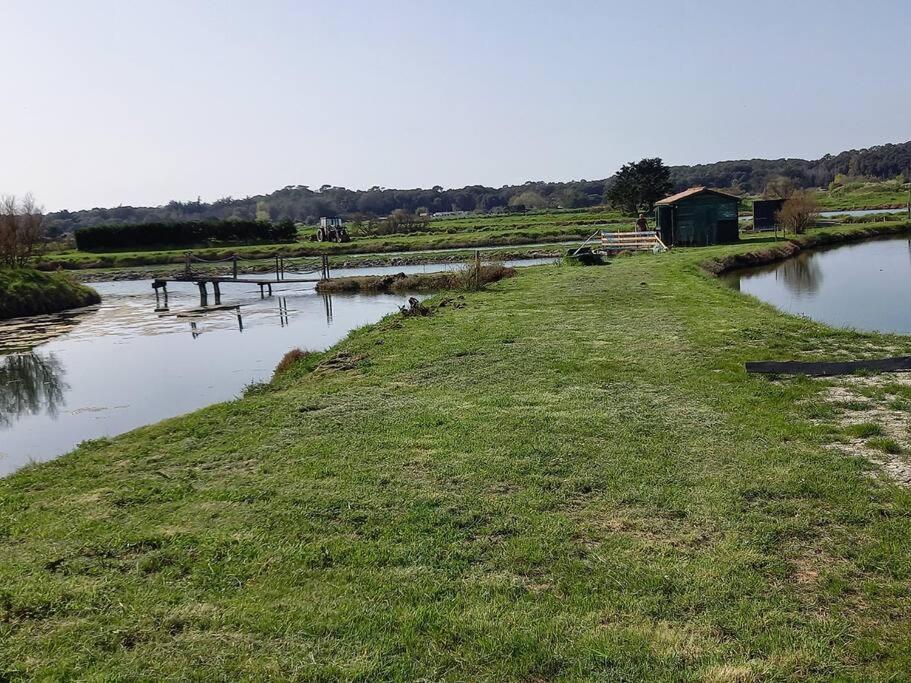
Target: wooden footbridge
318, 270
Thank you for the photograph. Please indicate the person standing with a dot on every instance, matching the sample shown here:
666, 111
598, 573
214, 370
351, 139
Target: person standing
641, 224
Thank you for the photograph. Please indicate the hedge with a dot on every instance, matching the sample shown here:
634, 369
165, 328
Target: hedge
184, 233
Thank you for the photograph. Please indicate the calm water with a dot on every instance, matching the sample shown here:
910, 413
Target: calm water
106, 370
863, 286
847, 212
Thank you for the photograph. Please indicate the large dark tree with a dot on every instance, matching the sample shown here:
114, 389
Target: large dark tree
637, 186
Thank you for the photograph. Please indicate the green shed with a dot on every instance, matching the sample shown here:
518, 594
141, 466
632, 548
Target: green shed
697, 217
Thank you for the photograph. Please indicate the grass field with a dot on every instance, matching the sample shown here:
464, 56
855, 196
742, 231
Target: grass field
454, 233
888, 194
567, 476
505, 237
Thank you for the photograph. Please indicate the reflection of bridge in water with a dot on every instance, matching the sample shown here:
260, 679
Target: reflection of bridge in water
195, 314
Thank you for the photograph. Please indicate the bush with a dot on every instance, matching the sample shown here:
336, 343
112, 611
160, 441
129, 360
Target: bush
185, 233
799, 212
288, 361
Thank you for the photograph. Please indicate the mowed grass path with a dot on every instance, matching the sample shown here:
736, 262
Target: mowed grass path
569, 477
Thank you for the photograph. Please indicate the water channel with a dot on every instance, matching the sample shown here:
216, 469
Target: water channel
863, 286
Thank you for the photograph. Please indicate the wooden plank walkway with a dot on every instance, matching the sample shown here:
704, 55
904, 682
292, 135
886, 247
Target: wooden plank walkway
202, 280
827, 369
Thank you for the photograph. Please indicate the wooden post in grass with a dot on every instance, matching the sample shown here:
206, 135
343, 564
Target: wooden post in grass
477, 268
187, 263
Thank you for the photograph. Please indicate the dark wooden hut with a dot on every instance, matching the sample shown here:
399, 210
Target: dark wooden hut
698, 217
765, 212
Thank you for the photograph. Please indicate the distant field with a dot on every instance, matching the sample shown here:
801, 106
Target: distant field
468, 232
494, 231
884, 195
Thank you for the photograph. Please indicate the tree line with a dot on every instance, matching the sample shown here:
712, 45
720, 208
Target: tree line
300, 203
183, 233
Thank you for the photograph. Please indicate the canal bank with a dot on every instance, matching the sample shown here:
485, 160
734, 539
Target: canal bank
532, 484
25, 292
169, 355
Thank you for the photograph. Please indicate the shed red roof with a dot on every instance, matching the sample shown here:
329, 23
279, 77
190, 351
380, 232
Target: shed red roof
692, 192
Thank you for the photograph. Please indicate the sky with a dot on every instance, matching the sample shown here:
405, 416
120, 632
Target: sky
107, 103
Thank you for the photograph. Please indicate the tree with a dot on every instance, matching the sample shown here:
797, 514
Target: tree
779, 187
637, 186
799, 212
21, 233
529, 199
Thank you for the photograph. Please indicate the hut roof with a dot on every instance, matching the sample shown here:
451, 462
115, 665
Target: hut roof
692, 192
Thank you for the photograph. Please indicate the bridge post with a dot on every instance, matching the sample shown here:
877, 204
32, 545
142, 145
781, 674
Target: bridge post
203, 295
234, 264
187, 263
217, 290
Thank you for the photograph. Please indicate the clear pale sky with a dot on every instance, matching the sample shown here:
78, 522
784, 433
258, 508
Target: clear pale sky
139, 102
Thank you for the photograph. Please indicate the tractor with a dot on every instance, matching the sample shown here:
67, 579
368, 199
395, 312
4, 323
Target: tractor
331, 230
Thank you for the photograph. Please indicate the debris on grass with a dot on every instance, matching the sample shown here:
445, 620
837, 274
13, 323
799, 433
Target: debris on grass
414, 308
340, 362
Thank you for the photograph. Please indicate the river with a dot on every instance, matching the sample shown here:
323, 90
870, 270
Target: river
108, 369
862, 286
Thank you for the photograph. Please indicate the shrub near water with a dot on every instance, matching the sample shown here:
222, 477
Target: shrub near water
467, 278
185, 233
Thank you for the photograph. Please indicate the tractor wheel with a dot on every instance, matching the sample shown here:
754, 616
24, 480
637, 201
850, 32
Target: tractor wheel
320, 235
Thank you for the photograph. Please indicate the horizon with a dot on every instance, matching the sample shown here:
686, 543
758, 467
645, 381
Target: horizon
316, 189
139, 107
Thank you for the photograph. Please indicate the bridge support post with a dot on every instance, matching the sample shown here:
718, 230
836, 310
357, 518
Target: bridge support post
217, 290
203, 295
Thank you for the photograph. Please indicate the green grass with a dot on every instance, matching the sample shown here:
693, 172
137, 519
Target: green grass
872, 195
863, 430
885, 444
570, 477
24, 291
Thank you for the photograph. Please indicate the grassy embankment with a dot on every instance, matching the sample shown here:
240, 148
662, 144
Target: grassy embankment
24, 291
570, 476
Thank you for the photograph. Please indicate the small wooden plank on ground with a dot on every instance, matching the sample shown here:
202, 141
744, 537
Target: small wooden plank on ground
825, 369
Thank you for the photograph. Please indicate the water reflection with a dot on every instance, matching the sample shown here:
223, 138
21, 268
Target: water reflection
198, 314
30, 384
801, 274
